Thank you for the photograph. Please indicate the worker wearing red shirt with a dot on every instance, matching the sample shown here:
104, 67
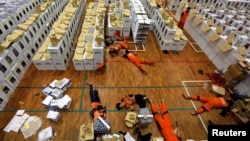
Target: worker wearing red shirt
183, 18
137, 61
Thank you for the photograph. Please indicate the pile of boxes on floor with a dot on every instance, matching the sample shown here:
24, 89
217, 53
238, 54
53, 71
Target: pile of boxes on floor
89, 51
119, 18
144, 118
169, 36
22, 30
55, 97
57, 49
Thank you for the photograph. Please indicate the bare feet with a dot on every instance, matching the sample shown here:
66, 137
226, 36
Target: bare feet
150, 101
186, 97
88, 83
162, 100
193, 113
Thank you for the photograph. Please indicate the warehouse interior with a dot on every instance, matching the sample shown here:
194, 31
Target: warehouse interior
52, 50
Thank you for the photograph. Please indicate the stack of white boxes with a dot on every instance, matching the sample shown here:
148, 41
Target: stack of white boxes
19, 28
140, 22
168, 35
220, 34
56, 50
151, 8
119, 18
126, 18
90, 46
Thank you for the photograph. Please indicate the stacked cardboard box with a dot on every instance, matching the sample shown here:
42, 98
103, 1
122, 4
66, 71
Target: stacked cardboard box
235, 73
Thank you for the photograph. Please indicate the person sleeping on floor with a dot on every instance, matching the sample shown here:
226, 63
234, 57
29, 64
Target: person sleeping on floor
98, 112
210, 102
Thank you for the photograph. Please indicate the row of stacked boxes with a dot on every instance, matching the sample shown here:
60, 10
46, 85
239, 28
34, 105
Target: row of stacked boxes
151, 8
168, 35
222, 46
89, 51
140, 22
22, 43
13, 13
236, 19
173, 4
57, 49
119, 19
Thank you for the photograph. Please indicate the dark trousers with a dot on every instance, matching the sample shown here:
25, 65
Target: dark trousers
140, 101
94, 96
146, 137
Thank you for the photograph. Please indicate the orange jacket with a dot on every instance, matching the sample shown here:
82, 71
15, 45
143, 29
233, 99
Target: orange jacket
184, 16
164, 122
134, 59
210, 102
97, 113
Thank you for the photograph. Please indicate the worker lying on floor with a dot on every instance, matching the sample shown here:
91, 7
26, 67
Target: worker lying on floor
98, 111
128, 101
164, 123
114, 50
137, 61
209, 103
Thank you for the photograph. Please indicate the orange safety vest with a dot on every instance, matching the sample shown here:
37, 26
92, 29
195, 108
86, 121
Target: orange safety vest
128, 102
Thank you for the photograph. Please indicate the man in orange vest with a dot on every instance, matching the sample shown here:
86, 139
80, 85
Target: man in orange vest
114, 51
183, 18
209, 103
164, 122
137, 61
128, 101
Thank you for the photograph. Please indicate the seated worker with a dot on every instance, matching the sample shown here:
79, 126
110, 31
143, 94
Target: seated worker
164, 123
129, 100
209, 103
114, 51
137, 61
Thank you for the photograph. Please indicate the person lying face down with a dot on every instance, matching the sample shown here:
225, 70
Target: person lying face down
163, 121
137, 61
209, 102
